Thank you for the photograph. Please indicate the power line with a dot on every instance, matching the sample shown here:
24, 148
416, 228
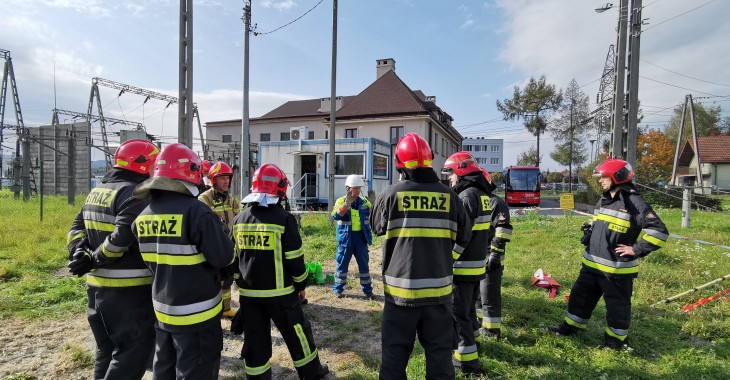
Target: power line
679, 15
289, 23
674, 85
686, 76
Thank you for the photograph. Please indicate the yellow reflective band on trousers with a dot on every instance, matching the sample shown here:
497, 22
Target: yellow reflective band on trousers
99, 226
153, 257
580, 325
355, 217
184, 320
420, 232
609, 269
116, 282
417, 293
305, 347
466, 357
469, 271
256, 293
619, 334
255, 371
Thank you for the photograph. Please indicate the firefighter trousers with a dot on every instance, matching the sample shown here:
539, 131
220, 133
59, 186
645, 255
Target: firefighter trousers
294, 328
122, 321
401, 324
465, 317
357, 247
490, 289
189, 355
616, 292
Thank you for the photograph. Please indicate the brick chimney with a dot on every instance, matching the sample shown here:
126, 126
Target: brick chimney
382, 66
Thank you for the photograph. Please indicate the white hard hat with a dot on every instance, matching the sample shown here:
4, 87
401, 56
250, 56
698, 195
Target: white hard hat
354, 180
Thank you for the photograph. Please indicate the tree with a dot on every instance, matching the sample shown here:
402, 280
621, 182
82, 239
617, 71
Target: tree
655, 157
528, 157
555, 177
497, 178
563, 155
570, 127
537, 97
707, 120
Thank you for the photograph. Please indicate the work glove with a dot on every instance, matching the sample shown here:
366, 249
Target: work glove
82, 262
587, 229
494, 261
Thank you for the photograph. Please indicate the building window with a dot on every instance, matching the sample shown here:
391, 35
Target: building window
284, 136
351, 133
443, 147
350, 163
265, 137
380, 166
435, 143
326, 135
227, 138
495, 148
396, 133
494, 161
310, 135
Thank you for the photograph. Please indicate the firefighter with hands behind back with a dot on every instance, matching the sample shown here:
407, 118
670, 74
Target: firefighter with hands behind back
185, 245
101, 244
226, 206
353, 236
272, 280
423, 222
610, 261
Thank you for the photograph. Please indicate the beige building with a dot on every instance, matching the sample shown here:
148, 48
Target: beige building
714, 159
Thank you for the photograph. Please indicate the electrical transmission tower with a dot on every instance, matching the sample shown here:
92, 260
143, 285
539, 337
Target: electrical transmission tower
604, 98
9, 76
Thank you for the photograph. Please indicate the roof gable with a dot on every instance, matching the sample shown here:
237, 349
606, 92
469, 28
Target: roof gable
712, 149
388, 95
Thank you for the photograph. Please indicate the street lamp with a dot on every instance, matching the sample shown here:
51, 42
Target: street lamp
604, 8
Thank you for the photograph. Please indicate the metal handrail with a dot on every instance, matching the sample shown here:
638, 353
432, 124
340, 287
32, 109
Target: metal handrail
304, 184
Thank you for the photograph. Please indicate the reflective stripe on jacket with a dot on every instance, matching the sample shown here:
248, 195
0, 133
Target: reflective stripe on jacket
621, 219
184, 244
226, 206
269, 249
362, 207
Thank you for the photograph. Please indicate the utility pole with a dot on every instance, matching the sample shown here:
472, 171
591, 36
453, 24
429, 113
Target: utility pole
333, 110
620, 92
245, 144
634, 50
570, 164
185, 84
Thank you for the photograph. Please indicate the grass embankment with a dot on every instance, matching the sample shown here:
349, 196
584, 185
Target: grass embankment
665, 343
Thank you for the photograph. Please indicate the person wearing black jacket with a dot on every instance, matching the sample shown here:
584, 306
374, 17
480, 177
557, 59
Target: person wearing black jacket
423, 222
185, 245
614, 244
101, 244
272, 280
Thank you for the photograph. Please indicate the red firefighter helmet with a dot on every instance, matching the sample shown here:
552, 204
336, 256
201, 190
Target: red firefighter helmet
136, 155
486, 175
413, 152
206, 167
218, 169
177, 161
620, 171
269, 179
461, 163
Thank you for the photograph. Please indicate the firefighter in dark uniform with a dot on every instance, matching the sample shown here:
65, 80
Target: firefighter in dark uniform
423, 222
101, 244
185, 245
614, 244
470, 266
489, 303
272, 279
226, 206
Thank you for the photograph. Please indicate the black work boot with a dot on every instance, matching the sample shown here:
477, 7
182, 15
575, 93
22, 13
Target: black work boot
612, 343
563, 329
490, 333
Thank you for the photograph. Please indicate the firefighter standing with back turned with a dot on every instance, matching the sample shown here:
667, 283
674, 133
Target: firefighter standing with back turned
101, 244
422, 220
185, 245
611, 257
273, 279
226, 206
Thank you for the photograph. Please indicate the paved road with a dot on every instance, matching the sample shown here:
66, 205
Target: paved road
549, 207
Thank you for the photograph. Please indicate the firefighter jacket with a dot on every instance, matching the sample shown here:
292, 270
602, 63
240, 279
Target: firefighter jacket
269, 250
620, 219
224, 205
422, 220
185, 245
491, 227
354, 219
104, 225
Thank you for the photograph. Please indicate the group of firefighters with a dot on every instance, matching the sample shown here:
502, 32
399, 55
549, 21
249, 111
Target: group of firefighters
161, 249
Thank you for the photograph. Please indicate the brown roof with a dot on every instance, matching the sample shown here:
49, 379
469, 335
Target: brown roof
388, 95
712, 149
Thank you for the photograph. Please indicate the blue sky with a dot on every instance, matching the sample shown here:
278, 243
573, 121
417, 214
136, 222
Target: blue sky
466, 53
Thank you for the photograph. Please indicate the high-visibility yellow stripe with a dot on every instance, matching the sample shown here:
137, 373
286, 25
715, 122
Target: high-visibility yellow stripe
302, 339
420, 232
121, 162
258, 227
455, 255
226, 294
466, 357
304, 361
417, 293
117, 282
265, 293
653, 240
109, 253
469, 271
293, 254
613, 334
190, 319
77, 236
300, 278
490, 325
613, 219
574, 323
608, 269
255, 371
173, 259
481, 226
99, 226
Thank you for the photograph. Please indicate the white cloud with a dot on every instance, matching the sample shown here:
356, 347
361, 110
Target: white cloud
468, 23
96, 8
279, 5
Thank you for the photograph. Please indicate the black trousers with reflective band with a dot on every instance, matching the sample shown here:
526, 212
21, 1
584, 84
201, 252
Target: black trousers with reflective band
122, 321
294, 327
616, 292
432, 325
491, 293
465, 318
190, 355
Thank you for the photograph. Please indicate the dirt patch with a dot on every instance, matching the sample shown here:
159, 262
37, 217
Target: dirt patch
346, 330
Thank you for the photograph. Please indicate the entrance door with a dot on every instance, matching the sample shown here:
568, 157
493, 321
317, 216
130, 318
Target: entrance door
309, 169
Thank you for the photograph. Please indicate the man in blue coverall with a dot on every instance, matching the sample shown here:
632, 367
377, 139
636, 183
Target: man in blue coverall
353, 236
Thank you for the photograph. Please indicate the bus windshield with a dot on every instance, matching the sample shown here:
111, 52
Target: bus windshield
526, 179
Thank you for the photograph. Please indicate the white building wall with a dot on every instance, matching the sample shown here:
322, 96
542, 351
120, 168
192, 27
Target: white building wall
486, 151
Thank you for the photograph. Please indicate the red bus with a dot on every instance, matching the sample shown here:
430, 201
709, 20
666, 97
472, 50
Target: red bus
522, 185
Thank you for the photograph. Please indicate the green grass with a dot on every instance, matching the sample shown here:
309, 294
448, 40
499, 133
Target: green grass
666, 343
